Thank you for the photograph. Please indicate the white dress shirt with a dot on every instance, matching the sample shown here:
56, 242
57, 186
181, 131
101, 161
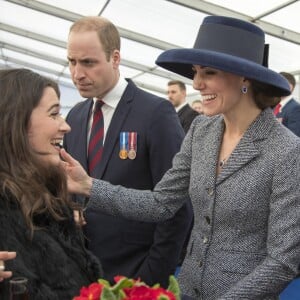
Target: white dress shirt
111, 100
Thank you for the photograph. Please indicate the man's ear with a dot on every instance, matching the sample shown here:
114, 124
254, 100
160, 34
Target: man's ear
116, 58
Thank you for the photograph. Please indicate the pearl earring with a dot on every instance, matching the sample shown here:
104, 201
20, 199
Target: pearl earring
244, 89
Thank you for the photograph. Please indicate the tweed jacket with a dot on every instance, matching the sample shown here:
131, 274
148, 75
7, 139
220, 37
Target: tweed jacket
245, 243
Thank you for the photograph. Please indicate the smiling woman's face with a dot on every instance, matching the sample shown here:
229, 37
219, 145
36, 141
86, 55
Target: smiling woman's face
220, 91
47, 127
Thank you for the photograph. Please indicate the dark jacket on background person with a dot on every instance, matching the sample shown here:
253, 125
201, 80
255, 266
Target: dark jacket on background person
186, 116
54, 260
148, 250
290, 116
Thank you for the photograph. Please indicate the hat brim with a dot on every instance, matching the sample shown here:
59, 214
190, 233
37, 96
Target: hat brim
181, 61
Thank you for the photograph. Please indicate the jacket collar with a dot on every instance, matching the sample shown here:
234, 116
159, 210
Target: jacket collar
248, 147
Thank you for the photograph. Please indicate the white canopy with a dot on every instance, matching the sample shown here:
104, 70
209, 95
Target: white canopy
33, 34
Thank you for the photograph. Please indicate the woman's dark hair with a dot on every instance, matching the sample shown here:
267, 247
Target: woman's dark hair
264, 94
36, 187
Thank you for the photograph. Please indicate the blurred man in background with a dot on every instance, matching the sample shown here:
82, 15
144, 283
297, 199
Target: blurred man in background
177, 96
287, 111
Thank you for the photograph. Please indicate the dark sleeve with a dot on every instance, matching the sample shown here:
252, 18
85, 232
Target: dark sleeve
14, 237
293, 120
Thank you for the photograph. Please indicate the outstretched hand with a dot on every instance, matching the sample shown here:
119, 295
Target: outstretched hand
79, 182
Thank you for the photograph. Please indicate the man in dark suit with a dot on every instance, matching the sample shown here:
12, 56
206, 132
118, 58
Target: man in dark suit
288, 110
177, 95
141, 135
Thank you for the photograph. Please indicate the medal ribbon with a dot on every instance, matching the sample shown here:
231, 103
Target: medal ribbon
132, 141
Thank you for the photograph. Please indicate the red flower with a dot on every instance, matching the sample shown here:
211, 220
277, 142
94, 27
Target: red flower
161, 291
128, 289
118, 278
146, 293
92, 292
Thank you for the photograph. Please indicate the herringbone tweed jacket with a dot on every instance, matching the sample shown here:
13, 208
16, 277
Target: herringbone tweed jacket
245, 243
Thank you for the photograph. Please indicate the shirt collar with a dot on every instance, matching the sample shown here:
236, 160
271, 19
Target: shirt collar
113, 97
178, 108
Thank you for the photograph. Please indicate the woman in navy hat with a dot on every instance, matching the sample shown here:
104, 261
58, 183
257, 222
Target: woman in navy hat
240, 167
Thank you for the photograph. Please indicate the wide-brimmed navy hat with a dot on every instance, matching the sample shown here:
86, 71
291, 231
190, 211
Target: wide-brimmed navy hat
230, 45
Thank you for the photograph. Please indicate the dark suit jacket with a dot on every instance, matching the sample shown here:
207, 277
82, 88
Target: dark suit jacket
131, 248
290, 116
186, 116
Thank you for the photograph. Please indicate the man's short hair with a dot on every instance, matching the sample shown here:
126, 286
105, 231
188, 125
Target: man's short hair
179, 83
289, 77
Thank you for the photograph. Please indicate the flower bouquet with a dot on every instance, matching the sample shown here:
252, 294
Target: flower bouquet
129, 289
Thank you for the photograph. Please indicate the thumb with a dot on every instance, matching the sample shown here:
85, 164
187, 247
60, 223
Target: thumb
68, 158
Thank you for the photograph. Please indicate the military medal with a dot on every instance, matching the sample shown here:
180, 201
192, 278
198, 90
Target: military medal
131, 154
132, 145
123, 154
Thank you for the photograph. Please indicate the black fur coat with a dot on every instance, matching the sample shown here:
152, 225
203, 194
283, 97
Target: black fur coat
54, 259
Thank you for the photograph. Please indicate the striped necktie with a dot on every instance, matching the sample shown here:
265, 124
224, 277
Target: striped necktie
95, 148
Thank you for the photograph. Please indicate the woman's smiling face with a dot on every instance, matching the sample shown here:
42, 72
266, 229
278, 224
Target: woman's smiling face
220, 91
47, 127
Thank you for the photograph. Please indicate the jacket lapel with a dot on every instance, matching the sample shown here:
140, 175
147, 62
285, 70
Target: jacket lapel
248, 147
242, 154
115, 127
86, 113
79, 125
181, 111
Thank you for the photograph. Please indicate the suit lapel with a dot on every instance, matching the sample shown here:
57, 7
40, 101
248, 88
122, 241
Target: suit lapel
181, 111
285, 109
80, 125
115, 127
